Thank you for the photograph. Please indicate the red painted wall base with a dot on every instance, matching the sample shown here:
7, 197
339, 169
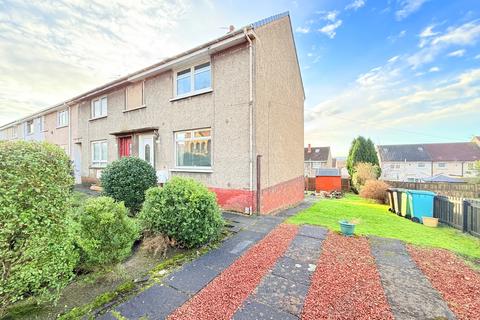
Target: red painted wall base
274, 198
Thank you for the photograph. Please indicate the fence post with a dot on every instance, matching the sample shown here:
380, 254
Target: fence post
465, 205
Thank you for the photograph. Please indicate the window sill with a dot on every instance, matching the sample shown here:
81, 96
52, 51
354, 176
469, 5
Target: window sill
97, 166
134, 109
197, 170
192, 94
60, 127
97, 118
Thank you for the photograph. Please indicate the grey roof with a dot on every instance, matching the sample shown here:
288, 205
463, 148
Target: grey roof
328, 172
443, 178
316, 154
457, 151
262, 22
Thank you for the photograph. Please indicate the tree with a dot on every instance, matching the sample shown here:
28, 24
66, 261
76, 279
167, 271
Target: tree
361, 150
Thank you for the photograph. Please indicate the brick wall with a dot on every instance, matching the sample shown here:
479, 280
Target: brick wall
282, 195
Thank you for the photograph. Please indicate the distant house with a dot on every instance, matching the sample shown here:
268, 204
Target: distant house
316, 158
341, 163
419, 162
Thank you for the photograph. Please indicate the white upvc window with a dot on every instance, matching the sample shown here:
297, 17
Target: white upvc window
42, 123
194, 80
193, 148
442, 165
421, 164
99, 107
62, 118
99, 153
30, 127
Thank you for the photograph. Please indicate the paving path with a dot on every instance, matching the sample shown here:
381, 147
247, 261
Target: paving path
279, 262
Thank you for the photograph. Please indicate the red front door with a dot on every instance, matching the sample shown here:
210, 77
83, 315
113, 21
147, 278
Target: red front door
125, 146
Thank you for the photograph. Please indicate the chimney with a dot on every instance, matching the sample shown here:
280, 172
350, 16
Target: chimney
309, 150
231, 28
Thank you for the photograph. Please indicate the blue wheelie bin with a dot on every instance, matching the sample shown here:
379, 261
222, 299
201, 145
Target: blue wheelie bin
420, 203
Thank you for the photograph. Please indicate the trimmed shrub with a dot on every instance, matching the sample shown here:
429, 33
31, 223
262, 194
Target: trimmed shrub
375, 190
37, 254
184, 210
105, 232
127, 180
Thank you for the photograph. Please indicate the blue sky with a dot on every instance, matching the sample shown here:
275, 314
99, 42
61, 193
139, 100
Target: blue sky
398, 71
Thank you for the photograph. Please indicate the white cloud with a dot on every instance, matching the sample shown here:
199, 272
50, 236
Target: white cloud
302, 29
330, 15
407, 7
434, 69
355, 5
394, 38
431, 47
330, 29
457, 53
428, 32
477, 56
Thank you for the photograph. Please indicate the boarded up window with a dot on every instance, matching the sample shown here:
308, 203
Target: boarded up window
135, 95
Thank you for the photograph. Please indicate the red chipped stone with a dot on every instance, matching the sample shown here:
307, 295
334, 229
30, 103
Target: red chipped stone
457, 283
346, 284
226, 293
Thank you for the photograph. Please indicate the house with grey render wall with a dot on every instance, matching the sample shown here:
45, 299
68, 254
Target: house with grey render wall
228, 113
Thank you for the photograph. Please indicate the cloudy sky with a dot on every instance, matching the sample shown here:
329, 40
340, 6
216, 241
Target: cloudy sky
398, 71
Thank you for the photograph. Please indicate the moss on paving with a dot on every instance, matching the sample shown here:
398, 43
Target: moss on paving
376, 220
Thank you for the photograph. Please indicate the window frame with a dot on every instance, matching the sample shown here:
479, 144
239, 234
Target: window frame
442, 165
92, 108
192, 91
61, 125
143, 104
42, 123
30, 126
421, 165
99, 163
193, 168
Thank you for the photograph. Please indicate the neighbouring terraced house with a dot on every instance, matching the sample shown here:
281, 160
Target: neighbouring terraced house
228, 113
420, 162
315, 158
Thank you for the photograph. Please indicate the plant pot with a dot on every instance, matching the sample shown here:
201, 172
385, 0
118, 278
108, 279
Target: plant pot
430, 222
347, 228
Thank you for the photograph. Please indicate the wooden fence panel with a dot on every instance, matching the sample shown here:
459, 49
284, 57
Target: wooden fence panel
460, 190
473, 217
449, 211
345, 185
309, 184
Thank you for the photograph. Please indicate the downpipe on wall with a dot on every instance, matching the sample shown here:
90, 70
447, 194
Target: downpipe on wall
250, 117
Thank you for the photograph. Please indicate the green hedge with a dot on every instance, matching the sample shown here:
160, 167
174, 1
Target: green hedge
105, 232
127, 179
183, 209
37, 254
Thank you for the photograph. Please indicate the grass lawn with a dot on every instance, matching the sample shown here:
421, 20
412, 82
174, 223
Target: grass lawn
375, 219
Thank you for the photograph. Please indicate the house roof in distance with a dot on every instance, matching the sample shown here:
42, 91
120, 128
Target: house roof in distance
456, 151
316, 154
443, 178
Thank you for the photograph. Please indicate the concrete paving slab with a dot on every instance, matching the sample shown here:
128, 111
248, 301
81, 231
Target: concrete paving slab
217, 259
304, 249
313, 232
156, 302
408, 291
191, 278
295, 270
278, 292
254, 310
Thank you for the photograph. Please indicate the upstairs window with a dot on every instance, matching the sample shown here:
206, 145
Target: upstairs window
30, 127
42, 123
62, 118
196, 79
421, 164
135, 95
99, 107
442, 165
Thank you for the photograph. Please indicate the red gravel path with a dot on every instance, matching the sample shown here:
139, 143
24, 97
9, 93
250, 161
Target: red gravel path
458, 284
222, 297
346, 284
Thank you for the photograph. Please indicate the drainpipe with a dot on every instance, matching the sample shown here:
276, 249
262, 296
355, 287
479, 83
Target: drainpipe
70, 133
250, 117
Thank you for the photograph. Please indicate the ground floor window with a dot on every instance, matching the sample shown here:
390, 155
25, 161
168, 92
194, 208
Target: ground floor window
99, 153
194, 148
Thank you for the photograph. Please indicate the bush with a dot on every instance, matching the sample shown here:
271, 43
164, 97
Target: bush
184, 210
364, 172
37, 255
127, 180
105, 232
375, 190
